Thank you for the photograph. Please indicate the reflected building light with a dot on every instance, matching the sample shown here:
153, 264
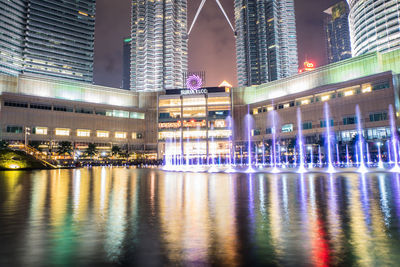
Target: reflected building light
77, 190
384, 200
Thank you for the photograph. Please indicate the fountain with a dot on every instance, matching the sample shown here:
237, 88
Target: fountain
328, 138
181, 154
393, 131
300, 141
362, 167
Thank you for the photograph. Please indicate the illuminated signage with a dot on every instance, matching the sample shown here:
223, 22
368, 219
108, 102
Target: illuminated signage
308, 66
194, 92
190, 124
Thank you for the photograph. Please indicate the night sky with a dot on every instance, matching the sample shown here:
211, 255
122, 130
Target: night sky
211, 43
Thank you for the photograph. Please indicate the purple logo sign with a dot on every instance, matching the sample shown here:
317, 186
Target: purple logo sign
194, 82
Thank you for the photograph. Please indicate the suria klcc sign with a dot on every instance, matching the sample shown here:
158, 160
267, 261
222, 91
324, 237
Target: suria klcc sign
194, 84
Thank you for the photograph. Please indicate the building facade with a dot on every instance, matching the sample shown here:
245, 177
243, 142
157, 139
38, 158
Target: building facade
159, 44
126, 64
374, 25
266, 43
337, 32
56, 110
195, 123
49, 38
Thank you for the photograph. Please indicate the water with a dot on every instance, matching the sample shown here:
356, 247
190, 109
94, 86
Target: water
147, 217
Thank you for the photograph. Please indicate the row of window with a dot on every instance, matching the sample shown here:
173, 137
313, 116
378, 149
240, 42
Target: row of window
68, 132
366, 88
109, 113
374, 117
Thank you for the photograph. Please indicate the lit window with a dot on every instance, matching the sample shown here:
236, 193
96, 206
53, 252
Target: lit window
134, 135
255, 111
41, 130
286, 105
287, 128
270, 108
62, 132
120, 135
325, 98
103, 134
367, 89
349, 93
305, 102
83, 133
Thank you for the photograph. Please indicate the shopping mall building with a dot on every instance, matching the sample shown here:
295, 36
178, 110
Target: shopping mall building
198, 122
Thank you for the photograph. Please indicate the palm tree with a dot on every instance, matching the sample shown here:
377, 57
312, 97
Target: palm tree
115, 150
3, 144
64, 147
91, 150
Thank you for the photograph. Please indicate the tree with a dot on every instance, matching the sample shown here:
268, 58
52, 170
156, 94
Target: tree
64, 147
91, 150
3, 144
115, 150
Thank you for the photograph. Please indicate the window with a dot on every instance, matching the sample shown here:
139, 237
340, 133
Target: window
83, 133
62, 131
136, 115
62, 108
307, 125
41, 106
134, 135
15, 104
100, 112
323, 123
15, 129
139, 136
287, 128
349, 120
40, 130
255, 132
120, 135
380, 86
103, 134
268, 131
84, 111
379, 116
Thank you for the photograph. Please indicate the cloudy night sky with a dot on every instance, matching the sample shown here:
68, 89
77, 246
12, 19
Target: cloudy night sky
211, 43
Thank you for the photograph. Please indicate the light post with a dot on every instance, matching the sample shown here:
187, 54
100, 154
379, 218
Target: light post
27, 132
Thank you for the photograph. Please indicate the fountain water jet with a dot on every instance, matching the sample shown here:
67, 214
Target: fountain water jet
393, 130
362, 167
328, 137
300, 141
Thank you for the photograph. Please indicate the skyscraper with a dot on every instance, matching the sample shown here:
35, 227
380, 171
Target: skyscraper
374, 25
51, 38
12, 27
266, 43
336, 26
159, 44
126, 64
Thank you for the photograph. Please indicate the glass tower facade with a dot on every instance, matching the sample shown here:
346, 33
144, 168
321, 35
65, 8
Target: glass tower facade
51, 38
374, 25
159, 44
336, 26
266, 43
12, 28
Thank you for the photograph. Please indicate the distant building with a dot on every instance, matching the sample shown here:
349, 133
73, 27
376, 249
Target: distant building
374, 26
336, 26
51, 38
159, 45
266, 43
126, 64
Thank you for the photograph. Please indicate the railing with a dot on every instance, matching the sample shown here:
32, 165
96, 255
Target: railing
42, 157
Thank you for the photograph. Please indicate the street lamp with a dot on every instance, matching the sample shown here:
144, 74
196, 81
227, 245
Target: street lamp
27, 132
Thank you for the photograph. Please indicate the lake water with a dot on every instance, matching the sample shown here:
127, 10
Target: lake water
147, 217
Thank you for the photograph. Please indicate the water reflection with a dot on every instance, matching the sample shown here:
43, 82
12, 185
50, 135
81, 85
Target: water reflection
149, 217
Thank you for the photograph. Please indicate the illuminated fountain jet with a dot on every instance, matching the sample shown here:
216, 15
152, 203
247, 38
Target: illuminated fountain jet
199, 10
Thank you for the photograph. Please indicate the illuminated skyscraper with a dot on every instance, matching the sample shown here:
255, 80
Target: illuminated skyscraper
266, 43
159, 44
126, 64
336, 26
374, 25
12, 27
51, 38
